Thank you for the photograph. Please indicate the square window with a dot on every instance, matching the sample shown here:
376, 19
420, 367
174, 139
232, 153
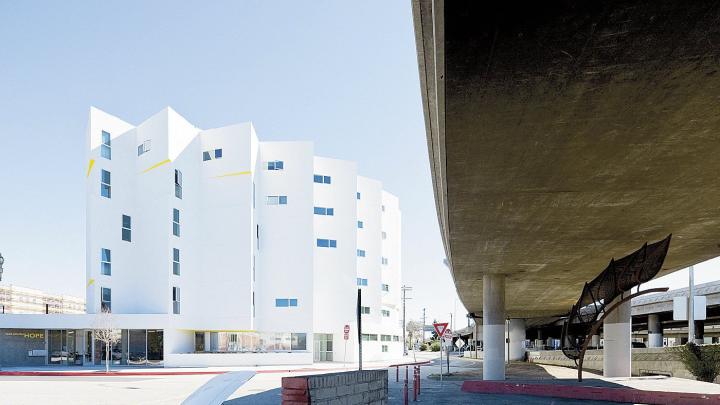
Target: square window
106, 138
317, 178
126, 221
360, 224
319, 211
293, 302
323, 243
126, 235
105, 190
326, 179
333, 243
218, 153
106, 152
357, 195
176, 215
272, 200
281, 302
279, 165
330, 211
283, 200
206, 156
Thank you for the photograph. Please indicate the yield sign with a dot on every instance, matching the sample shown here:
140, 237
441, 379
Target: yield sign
440, 328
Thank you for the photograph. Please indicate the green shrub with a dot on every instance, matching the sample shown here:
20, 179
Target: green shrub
435, 346
424, 347
701, 361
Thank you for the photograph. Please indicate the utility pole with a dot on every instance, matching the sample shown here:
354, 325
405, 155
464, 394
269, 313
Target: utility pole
404, 289
691, 306
423, 329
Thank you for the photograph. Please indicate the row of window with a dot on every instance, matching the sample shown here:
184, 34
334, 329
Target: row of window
106, 184
318, 178
216, 154
368, 337
277, 200
363, 282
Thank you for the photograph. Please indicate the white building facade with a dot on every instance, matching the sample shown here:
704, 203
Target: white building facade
221, 249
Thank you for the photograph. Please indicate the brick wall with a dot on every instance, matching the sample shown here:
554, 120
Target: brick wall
351, 387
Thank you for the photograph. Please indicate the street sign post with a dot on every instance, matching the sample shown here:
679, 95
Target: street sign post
346, 336
440, 329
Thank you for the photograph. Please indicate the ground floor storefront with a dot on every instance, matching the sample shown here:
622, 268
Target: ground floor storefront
79, 347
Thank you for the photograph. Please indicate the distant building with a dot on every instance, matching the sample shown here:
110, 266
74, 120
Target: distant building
211, 247
21, 300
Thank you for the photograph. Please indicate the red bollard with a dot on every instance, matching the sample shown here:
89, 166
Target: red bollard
405, 390
415, 382
418, 380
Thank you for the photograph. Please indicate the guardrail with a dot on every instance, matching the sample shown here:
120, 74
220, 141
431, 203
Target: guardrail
416, 378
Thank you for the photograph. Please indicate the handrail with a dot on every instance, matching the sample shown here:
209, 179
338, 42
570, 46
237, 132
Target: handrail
418, 363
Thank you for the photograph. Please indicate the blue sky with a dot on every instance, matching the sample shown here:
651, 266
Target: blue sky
341, 74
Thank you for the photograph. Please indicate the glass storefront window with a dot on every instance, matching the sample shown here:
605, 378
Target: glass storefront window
137, 349
155, 347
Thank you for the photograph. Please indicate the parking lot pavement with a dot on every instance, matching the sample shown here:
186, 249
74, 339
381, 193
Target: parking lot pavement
99, 390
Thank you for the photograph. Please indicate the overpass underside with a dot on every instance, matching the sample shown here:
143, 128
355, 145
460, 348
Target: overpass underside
562, 134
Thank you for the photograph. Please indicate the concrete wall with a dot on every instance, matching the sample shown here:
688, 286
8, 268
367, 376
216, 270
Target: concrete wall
16, 343
644, 361
352, 387
236, 359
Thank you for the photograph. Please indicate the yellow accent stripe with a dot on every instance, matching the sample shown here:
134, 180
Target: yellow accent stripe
90, 282
233, 174
90, 166
156, 165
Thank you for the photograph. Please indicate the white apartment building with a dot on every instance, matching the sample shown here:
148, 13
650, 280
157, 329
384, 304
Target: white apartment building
210, 247
20, 300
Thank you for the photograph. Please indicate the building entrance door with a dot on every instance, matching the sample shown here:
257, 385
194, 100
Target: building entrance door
323, 347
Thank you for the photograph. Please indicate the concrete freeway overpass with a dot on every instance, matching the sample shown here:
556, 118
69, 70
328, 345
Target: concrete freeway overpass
562, 134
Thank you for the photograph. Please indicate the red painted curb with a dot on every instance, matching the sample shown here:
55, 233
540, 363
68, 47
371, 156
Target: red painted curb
594, 393
101, 373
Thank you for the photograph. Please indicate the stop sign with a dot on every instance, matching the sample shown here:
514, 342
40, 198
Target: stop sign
346, 329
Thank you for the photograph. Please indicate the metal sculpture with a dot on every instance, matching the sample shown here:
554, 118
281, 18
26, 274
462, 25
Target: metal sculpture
2, 261
619, 277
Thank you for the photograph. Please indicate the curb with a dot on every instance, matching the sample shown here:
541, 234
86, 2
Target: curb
595, 393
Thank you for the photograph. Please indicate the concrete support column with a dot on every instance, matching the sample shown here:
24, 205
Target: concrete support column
595, 341
655, 333
699, 332
617, 353
517, 337
493, 327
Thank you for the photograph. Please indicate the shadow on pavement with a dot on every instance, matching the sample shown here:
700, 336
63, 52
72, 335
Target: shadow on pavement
269, 397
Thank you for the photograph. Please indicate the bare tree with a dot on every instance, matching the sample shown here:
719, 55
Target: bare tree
414, 330
105, 333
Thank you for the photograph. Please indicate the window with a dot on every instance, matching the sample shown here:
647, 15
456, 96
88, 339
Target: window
385, 287
210, 155
105, 183
317, 178
176, 300
126, 228
286, 302
144, 147
178, 184
385, 313
384, 235
275, 165
328, 243
277, 200
324, 211
383, 208
385, 338
362, 282
396, 338
105, 262
176, 261
357, 195
385, 260
384, 348
105, 148
176, 222
360, 253
365, 311
298, 341
369, 338
105, 299
361, 225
